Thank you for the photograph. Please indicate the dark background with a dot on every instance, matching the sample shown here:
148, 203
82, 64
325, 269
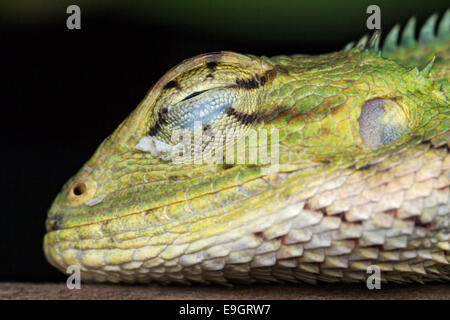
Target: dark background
65, 90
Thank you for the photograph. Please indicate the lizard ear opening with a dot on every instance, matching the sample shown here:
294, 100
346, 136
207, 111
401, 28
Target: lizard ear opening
381, 122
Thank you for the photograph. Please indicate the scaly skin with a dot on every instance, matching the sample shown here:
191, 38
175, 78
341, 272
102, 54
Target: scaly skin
333, 206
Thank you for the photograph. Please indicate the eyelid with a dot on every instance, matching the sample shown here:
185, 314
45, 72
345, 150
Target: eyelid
207, 108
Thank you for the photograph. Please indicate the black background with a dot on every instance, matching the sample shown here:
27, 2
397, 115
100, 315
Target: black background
64, 91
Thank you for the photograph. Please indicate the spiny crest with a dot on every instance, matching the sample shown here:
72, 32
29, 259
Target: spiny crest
427, 34
426, 71
366, 43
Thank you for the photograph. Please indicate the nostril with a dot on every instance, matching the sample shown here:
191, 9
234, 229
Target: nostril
79, 189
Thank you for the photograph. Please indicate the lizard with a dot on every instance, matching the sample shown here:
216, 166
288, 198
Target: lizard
360, 179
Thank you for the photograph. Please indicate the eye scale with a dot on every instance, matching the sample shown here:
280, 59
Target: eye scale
212, 66
243, 118
172, 84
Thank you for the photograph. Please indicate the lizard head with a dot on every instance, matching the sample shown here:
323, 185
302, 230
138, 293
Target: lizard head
131, 172
221, 92
133, 206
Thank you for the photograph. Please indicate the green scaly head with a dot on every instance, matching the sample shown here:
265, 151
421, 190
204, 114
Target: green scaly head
348, 128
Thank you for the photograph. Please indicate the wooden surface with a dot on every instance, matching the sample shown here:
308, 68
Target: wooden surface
10, 290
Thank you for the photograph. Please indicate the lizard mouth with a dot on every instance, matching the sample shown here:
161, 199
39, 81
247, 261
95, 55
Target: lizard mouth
54, 223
